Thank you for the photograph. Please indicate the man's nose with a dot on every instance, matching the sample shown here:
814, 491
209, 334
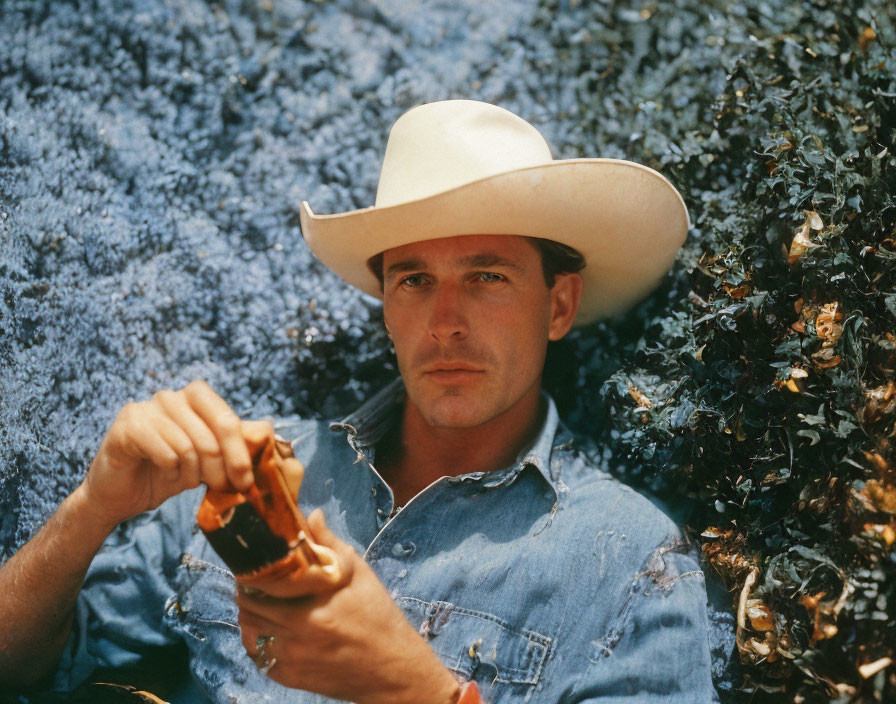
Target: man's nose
448, 317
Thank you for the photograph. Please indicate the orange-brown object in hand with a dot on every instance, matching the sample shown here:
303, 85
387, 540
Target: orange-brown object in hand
469, 694
261, 534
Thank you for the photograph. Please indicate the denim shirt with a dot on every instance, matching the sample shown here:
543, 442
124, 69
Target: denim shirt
547, 581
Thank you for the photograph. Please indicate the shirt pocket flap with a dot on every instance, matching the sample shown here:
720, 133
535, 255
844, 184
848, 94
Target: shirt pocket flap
204, 598
475, 643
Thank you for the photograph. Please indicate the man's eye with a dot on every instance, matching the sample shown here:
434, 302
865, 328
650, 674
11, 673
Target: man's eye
412, 280
488, 277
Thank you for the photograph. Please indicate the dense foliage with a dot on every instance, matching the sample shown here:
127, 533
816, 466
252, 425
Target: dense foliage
758, 390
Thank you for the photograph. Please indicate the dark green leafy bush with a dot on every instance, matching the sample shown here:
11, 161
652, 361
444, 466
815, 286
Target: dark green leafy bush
758, 388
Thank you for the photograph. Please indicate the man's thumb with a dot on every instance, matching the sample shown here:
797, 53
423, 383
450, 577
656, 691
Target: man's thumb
321, 534
337, 553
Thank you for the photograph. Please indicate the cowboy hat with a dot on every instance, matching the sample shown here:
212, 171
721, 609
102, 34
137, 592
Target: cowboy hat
463, 167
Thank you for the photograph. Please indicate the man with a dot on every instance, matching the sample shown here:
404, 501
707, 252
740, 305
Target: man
494, 553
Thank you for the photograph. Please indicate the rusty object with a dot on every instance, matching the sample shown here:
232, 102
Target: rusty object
262, 534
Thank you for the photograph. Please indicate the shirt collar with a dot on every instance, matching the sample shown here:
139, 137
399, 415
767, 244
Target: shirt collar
367, 425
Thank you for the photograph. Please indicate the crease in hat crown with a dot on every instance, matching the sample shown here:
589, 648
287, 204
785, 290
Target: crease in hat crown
439, 146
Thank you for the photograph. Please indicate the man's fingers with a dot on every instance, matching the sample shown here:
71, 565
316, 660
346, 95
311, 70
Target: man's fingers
210, 463
320, 532
258, 432
251, 621
150, 445
187, 466
227, 428
264, 611
262, 640
293, 473
332, 571
322, 535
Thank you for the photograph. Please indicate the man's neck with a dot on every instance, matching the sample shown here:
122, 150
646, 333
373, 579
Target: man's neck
415, 454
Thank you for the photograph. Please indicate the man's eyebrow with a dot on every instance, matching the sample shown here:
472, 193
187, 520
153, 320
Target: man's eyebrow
482, 260
403, 266
488, 259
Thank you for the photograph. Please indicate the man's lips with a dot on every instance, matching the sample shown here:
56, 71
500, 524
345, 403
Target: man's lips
452, 367
453, 372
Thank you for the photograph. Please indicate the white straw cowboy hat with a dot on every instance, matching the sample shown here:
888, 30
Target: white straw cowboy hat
462, 167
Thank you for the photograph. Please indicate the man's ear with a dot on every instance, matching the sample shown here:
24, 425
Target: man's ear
565, 297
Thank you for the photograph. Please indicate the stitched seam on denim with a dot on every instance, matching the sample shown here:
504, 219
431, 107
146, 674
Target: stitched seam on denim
617, 628
194, 563
560, 456
199, 619
609, 641
692, 573
666, 585
531, 677
532, 635
549, 649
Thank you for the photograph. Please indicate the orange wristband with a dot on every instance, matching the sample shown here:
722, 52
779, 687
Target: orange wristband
469, 694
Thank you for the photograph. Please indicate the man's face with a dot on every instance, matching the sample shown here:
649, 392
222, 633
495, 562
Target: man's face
470, 318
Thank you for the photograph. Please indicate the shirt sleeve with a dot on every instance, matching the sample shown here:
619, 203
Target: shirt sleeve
657, 650
120, 609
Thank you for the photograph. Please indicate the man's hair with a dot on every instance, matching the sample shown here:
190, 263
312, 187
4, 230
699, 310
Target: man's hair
556, 258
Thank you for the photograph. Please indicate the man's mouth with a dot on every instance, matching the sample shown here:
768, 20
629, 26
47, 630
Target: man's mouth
453, 367
453, 372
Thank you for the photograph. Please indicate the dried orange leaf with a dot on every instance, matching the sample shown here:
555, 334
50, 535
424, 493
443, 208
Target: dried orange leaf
870, 669
827, 324
814, 220
640, 398
761, 618
881, 402
883, 530
800, 244
867, 36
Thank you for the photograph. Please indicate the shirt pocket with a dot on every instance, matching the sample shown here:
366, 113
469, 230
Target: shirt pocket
204, 601
203, 612
479, 645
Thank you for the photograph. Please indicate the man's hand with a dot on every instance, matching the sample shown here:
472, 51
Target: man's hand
161, 447
152, 451
353, 643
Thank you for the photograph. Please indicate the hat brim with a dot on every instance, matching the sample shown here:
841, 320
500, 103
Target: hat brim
626, 219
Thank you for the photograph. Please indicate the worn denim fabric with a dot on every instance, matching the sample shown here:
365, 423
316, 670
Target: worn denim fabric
548, 581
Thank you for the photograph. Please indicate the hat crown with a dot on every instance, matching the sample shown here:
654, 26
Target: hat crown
439, 146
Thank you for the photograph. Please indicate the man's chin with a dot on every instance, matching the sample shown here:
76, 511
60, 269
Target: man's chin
455, 410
